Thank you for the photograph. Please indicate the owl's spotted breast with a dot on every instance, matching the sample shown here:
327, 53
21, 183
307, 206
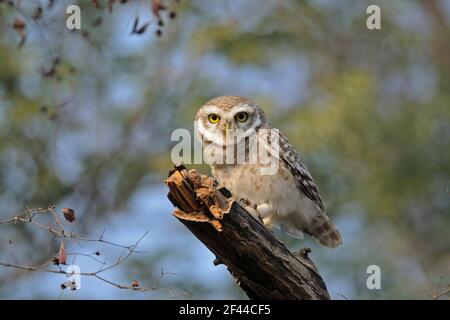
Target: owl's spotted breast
278, 191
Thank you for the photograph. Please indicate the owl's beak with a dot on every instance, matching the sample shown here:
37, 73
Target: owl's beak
226, 125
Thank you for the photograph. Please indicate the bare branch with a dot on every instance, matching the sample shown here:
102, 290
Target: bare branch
263, 267
30, 216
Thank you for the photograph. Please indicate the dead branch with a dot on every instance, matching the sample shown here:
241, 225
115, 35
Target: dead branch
263, 267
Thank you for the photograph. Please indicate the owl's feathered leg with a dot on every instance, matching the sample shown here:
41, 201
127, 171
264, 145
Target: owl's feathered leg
261, 212
265, 212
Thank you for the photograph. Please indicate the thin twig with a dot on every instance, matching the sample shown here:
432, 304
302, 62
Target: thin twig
29, 216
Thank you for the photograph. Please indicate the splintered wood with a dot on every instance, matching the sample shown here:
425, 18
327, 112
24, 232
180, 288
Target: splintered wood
197, 197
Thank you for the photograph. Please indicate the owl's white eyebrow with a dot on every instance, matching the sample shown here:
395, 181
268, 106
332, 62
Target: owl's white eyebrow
244, 107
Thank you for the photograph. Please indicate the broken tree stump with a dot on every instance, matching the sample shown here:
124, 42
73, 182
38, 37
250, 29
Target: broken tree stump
263, 267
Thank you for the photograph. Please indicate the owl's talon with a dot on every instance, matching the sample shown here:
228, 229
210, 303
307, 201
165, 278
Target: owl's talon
243, 202
260, 218
305, 252
246, 203
249, 207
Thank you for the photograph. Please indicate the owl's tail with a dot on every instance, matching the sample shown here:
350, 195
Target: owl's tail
325, 232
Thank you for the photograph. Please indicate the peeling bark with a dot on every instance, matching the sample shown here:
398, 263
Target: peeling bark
263, 267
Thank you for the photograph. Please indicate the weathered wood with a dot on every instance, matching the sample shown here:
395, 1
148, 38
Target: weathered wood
263, 267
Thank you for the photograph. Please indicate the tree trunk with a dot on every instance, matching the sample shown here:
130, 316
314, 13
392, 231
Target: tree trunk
263, 267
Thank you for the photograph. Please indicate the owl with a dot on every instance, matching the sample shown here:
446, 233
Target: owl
289, 198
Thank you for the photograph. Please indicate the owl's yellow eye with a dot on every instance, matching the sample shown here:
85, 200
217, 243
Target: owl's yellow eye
213, 118
241, 116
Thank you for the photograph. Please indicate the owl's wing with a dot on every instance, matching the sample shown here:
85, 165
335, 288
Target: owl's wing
290, 159
320, 226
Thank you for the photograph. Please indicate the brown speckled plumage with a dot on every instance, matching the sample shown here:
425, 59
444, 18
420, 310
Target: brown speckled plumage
228, 102
288, 198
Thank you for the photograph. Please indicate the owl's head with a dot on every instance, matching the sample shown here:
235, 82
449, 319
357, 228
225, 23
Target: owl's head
222, 115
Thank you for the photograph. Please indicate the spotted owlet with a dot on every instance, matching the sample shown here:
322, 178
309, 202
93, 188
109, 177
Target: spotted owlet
287, 198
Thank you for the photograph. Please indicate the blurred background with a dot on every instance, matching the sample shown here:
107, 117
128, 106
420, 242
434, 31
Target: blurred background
86, 118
